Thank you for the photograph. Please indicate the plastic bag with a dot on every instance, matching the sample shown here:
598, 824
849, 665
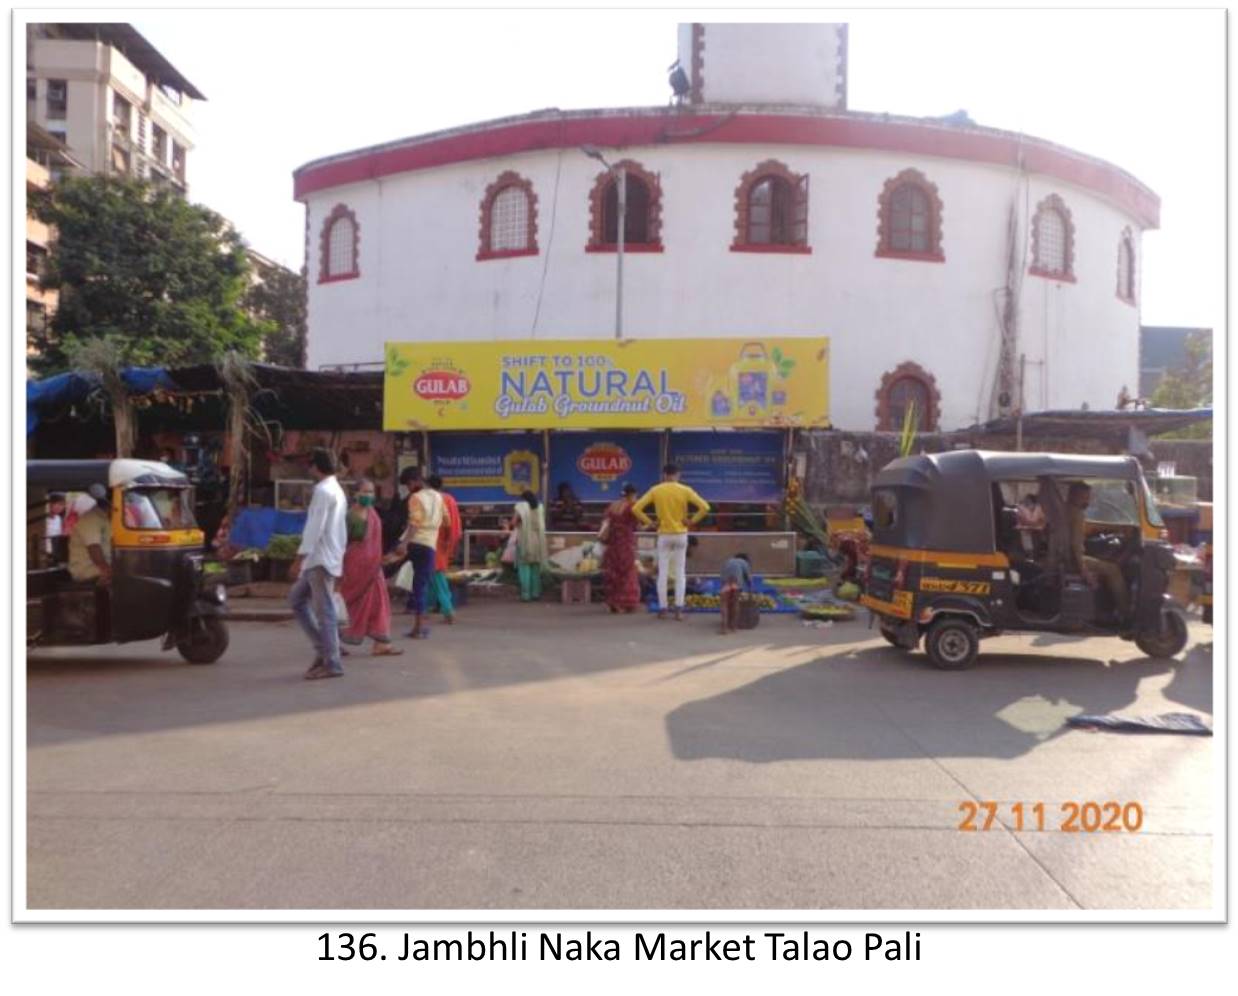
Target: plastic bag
341, 609
404, 577
509, 551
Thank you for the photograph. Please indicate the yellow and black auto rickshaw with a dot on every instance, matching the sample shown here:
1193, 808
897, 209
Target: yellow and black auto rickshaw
954, 560
157, 586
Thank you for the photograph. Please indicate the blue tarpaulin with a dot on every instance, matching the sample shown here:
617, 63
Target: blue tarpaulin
63, 390
254, 527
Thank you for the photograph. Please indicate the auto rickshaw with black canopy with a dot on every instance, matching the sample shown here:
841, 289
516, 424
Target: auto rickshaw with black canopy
952, 561
158, 586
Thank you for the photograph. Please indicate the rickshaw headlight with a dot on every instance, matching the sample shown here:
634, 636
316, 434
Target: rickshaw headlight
219, 594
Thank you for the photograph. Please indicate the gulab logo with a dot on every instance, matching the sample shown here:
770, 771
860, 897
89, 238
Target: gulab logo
441, 385
604, 462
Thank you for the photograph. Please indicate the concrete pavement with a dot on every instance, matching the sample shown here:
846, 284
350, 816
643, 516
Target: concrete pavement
552, 757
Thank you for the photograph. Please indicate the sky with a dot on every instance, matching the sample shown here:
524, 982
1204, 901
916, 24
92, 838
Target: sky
1144, 90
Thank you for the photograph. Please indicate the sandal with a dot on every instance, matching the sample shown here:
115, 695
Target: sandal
386, 650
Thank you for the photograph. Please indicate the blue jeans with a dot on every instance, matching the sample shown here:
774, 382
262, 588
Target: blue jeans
423, 570
311, 603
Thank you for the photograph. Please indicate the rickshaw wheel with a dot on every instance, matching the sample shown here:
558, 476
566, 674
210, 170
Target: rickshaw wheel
952, 644
206, 641
1167, 643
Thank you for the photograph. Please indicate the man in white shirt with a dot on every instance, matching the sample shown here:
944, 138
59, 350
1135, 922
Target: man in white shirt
320, 561
54, 526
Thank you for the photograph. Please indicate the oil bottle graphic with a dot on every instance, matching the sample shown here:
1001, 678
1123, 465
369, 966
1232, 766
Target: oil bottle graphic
750, 379
520, 472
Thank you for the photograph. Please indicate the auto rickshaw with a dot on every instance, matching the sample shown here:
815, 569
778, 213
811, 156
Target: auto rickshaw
952, 561
157, 589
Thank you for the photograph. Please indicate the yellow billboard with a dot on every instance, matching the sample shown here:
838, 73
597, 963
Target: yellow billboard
583, 384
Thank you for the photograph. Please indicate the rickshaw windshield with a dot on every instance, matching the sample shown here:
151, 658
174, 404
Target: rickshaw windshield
158, 508
1149, 504
885, 510
1113, 503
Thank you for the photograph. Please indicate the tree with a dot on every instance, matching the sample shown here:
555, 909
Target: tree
1189, 385
137, 265
278, 298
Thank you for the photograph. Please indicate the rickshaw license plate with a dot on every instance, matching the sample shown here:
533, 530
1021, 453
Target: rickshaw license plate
955, 586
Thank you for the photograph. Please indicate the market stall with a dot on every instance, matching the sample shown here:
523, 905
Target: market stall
571, 421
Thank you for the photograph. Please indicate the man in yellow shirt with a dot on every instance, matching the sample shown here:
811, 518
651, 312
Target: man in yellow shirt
670, 501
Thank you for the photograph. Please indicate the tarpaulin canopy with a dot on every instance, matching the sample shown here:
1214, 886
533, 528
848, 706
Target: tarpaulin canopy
254, 527
296, 399
45, 397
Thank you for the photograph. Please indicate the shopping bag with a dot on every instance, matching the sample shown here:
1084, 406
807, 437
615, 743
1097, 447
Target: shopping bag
509, 551
404, 577
341, 609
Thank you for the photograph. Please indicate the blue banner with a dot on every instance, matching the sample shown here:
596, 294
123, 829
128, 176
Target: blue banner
487, 468
596, 464
730, 466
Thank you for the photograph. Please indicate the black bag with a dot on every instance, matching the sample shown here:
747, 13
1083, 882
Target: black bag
748, 615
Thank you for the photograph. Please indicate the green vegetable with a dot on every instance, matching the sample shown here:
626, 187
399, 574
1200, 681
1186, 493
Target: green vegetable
283, 547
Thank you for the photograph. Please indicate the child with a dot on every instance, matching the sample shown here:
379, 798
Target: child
736, 575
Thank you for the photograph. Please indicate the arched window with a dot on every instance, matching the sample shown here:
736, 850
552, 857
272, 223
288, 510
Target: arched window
909, 218
339, 247
508, 219
771, 210
906, 387
1053, 240
1126, 267
642, 224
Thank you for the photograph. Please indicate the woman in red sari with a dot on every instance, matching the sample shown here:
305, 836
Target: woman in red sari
363, 586
620, 582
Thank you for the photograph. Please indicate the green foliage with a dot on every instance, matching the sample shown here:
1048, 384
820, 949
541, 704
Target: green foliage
907, 438
136, 264
281, 547
785, 364
279, 298
1189, 385
396, 364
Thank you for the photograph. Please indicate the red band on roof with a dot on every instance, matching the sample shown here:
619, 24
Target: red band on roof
619, 130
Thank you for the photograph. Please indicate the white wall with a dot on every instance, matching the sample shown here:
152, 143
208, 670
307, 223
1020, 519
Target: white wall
767, 63
419, 278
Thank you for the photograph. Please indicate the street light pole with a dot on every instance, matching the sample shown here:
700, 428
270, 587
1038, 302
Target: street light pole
620, 174
622, 180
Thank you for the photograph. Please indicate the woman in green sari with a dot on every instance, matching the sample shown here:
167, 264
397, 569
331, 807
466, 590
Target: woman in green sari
529, 525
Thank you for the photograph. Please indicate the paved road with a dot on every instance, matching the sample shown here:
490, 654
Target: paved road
554, 757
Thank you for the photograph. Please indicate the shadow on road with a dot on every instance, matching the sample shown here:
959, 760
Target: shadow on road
844, 706
79, 693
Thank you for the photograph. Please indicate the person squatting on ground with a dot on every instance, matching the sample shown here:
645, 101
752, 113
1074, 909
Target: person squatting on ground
670, 501
319, 563
736, 577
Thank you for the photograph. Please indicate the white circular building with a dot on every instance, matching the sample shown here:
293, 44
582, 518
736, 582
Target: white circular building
970, 270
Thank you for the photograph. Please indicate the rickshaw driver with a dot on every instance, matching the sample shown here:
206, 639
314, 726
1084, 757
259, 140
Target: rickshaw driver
90, 542
1078, 498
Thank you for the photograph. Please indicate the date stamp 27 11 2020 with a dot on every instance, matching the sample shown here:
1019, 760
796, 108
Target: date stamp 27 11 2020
1068, 817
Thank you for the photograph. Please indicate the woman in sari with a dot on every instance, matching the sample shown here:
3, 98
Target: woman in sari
529, 525
363, 586
620, 580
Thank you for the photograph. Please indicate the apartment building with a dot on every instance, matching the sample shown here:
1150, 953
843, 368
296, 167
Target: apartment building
113, 99
47, 159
